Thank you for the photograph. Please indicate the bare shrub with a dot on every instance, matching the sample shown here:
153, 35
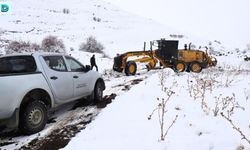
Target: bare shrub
212, 48
35, 47
216, 41
198, 86
21, 47
162, 107
105, 55
92, 46
53, 44
240, 147
229, 74
49, 44
247, 94
229, 80
72, 49
246, 58
65, 11
226, 104
97, 19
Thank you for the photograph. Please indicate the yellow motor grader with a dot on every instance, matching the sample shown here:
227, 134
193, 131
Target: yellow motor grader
166, 55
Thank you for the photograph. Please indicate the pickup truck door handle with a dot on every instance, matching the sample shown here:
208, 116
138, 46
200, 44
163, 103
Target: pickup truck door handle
75, 77
53, 78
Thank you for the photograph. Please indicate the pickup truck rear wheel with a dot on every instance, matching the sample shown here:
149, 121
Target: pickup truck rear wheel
33, 117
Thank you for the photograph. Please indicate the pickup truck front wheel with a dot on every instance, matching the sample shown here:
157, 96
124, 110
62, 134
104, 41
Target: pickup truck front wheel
98, 92
33, 117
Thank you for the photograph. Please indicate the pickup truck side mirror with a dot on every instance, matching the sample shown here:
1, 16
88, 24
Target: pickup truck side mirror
87, 68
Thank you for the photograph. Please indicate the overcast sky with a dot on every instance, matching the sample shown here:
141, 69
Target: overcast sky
224, 20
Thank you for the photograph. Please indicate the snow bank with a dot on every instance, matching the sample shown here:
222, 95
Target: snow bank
124, 124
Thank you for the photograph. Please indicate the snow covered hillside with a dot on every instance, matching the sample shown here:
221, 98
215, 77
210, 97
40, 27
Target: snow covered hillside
74, 21
224, 20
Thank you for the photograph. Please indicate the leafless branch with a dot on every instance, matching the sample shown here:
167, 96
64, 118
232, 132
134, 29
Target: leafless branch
243, 136
162, 105
173, 122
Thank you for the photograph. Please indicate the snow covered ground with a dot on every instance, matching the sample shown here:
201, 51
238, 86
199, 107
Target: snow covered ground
124, 124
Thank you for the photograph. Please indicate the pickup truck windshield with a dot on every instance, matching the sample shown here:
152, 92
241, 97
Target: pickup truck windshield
17, 64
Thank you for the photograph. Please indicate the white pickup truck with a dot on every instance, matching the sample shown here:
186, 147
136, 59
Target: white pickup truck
32, 84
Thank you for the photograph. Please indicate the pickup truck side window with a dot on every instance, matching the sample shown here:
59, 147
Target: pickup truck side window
74, 65
55, 63
17, 64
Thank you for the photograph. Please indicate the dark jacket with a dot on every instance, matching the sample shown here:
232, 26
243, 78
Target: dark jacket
92, 60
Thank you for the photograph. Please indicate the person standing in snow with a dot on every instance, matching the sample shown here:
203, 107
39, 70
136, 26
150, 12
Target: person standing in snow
93, 63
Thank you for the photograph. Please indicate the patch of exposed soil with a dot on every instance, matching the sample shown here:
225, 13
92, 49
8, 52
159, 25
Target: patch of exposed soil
9, 136
59, 138
136, 81
126, 88
107, 99
82, 103
6, 143
51, 120
133, 82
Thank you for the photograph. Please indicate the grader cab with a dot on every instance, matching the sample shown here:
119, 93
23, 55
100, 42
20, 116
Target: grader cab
166, 55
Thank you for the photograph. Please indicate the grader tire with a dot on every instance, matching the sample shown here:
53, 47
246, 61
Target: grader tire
195, 67
130, 68
180, 66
